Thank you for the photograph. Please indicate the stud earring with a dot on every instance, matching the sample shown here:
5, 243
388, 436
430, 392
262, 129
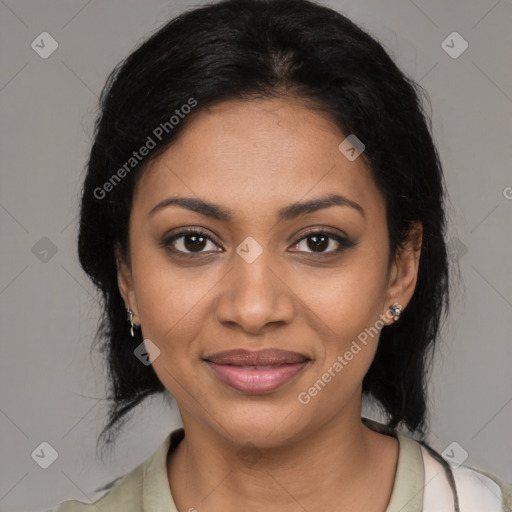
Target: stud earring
395, 309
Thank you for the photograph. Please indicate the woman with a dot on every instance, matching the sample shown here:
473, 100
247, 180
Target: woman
263, 213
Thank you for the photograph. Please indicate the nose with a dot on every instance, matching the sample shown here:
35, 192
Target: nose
254, 295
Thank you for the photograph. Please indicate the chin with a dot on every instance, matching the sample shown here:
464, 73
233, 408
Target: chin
266, 426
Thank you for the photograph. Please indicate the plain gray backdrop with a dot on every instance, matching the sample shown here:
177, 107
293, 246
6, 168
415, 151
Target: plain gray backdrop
51, 390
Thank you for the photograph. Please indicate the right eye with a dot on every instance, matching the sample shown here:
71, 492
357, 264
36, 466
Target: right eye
188, 242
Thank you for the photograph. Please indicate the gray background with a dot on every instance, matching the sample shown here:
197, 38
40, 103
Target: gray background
51, 390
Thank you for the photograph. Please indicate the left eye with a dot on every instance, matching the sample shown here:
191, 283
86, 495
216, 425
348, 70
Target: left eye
319, 241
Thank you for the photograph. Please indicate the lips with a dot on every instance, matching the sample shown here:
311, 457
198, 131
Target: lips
264, 357
257, 372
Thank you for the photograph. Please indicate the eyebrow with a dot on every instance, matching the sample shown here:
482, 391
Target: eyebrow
286, 213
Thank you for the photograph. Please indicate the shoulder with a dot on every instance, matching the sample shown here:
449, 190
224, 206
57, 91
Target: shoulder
477, 490
146, 487
486, 481
123, 495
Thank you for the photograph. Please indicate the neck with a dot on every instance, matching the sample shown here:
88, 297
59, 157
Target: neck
336, 462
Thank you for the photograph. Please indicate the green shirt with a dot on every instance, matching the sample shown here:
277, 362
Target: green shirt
146, 487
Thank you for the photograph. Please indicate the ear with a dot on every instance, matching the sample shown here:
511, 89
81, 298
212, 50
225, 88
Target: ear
404, 272
125, 281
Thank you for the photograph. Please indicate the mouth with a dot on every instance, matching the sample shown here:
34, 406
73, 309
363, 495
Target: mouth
258, 372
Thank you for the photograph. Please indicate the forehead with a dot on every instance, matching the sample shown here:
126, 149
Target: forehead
257, 156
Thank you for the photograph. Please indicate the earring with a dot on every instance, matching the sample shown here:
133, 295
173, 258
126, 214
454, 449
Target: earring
130, 319
395, 309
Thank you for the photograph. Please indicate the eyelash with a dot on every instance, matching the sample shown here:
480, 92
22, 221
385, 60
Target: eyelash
344, 243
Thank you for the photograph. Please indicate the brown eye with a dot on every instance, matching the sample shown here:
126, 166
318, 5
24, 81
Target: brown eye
188, 242
319, 241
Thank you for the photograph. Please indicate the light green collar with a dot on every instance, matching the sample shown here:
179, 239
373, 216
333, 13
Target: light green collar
407, 494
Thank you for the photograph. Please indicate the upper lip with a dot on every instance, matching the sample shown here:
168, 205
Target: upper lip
263, 357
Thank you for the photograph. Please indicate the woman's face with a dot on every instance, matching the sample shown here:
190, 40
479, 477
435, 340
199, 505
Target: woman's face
257, 276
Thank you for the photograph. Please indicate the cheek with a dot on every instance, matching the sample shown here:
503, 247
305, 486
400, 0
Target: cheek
348, 304
169, 298
172, 305
349, 297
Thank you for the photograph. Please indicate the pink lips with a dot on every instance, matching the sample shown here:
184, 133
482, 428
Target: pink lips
256, 372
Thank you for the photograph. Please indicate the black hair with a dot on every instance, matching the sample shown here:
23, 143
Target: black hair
243, 49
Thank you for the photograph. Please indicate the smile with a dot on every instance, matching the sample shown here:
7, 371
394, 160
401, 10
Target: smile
256, 379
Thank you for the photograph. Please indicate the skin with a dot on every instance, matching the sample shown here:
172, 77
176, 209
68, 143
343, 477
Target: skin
255, 157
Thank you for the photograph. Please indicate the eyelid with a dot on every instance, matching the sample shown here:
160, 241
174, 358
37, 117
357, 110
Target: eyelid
167, 239
343, 241
326, 230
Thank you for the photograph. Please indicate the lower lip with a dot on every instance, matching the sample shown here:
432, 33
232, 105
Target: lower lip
259, 380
